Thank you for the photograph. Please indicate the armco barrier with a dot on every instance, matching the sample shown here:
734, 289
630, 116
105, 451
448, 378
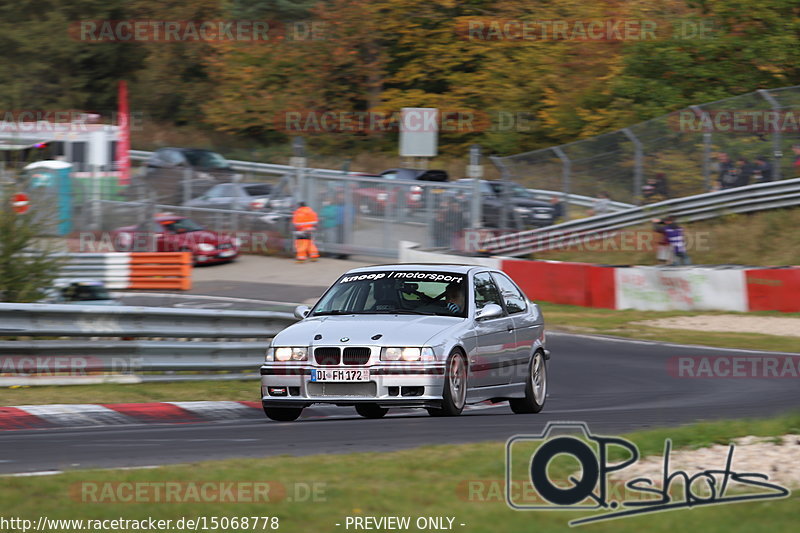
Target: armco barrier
210, 344
133, 270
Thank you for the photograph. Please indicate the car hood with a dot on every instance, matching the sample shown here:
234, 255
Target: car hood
202, 236
522, 202
395, 330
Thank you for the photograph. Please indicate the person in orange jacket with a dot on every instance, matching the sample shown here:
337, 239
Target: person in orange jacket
305, 222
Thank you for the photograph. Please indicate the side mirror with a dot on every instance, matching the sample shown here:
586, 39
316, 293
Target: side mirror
301, 311
489, 311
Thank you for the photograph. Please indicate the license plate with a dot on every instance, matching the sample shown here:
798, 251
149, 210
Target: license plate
437, 191
339, 374
226, 253
541, 215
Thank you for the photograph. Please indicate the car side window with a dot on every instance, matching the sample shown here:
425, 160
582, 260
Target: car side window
215, 192
485, 291
513, 298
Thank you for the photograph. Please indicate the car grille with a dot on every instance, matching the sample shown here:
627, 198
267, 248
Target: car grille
356, 356
367, 389
224, 246
326, 356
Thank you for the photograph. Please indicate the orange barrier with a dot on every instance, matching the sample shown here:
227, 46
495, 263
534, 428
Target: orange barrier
170, 270
774, 289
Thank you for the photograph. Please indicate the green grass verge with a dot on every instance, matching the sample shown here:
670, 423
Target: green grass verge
767, 239
133, 393
621, 324
426, 481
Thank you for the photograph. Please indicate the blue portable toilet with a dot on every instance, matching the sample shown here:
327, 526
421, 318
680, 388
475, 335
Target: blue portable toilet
51, 179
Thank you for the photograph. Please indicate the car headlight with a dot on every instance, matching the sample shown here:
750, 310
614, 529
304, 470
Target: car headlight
407, 354
287, 353
205, 247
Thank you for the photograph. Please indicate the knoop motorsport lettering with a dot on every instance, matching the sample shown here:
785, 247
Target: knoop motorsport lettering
417, 276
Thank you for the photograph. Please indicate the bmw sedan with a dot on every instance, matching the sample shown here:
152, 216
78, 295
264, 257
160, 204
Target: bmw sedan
433, 336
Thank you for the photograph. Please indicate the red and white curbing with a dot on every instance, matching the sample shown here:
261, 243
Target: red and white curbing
87, 415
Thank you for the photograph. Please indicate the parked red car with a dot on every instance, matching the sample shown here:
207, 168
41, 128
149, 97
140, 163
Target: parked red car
174, 233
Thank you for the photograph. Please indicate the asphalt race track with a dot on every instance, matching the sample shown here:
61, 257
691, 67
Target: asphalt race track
613, 385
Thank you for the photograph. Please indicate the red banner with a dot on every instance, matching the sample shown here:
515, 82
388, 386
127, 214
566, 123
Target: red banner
124, 144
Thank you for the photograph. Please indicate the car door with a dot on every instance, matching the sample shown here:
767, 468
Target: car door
493, 336
526, 330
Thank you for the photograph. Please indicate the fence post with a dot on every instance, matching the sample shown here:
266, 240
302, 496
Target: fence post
777, 153
299, 162
475, 172
566, 178
187, 184
638, 162
96, 193
705, 119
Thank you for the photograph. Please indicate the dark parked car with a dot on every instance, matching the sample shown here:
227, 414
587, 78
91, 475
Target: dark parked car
526, 210
175, 174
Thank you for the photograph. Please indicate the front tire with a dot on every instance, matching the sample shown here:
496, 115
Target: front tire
371, 410
535, 387
454, 396
283, 414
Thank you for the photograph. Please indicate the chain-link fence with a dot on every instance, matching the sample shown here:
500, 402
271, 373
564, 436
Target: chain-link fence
732, 142
358, 214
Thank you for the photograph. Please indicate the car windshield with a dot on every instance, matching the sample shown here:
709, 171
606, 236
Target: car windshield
206, 159
396, 292
79, 292
180, 225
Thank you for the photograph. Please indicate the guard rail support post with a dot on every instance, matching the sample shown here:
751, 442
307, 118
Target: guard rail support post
776, 136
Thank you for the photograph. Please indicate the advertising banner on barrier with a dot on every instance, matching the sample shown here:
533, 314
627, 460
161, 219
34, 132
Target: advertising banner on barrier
658, 289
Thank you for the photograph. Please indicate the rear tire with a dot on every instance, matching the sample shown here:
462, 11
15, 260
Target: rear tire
283, 414
454, 395
371, 410
535, 387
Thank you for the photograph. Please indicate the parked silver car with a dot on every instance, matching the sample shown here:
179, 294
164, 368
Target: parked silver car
432, 336
240, 196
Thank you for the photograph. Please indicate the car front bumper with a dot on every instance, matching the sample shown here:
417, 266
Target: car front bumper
404, 385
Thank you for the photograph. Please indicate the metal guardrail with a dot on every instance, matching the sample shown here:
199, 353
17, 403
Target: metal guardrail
577, 199
250, 166
87, 353
758, 197
112, 321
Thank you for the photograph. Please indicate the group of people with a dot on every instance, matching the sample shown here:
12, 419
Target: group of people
306, 223
740, 171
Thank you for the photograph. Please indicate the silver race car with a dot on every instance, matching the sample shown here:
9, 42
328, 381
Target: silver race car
432, 336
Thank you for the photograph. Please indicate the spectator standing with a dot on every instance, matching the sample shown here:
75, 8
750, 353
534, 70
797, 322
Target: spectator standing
677, 243
602, 204
558, 209
305, 222
663, 249
762, 170
745, 172
728, 173
796, 150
